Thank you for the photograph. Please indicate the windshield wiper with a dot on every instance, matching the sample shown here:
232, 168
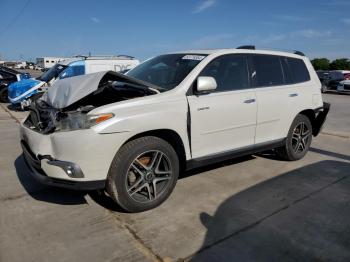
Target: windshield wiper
133, 85
141, 82
144, 83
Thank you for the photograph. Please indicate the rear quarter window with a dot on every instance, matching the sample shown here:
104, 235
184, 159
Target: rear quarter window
298, 70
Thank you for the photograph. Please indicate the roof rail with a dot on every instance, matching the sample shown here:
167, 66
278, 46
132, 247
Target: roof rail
251, 47
104, 57
126, 56
299, 53
80, 56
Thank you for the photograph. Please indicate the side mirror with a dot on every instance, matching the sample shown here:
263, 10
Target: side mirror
205, 84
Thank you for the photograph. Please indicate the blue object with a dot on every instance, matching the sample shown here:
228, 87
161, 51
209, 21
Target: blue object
74, 69
25, 76
19, 91
25, 88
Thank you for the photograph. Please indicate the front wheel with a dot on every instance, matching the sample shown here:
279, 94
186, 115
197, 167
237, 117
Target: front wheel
143, 174
298, 141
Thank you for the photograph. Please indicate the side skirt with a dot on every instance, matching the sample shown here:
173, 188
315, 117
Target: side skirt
214, 158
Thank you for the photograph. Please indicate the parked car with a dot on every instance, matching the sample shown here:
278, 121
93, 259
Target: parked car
323, 75
21, 92
29, 65
334, 78
344, 86
36, 67
133, 134
20, 65
8, 76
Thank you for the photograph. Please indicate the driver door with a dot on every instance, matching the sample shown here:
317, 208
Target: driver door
224, 119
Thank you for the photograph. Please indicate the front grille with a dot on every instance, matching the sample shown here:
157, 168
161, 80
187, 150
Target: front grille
346, 87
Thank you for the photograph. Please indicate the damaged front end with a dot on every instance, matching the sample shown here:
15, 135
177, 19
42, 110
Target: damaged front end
46, 119
66, 106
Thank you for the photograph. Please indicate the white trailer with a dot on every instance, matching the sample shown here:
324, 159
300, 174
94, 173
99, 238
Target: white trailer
48, 62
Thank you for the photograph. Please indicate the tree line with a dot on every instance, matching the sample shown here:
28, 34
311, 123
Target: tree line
325, 64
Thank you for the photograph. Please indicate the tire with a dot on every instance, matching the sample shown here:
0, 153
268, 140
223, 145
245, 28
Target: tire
157, 164
324, 88
4, 95
298, 140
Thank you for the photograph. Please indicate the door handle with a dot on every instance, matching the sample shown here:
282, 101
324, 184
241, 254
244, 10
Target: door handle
293, 95
248, 101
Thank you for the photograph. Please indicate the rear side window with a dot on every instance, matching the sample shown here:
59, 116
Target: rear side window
298, 70
74, 69
266, 70
229, 71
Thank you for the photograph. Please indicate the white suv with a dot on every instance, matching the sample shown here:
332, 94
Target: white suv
133, 134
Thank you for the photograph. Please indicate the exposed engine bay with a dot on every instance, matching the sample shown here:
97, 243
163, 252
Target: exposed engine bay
66, 104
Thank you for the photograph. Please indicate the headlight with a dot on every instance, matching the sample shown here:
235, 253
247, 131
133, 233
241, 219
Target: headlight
78, 120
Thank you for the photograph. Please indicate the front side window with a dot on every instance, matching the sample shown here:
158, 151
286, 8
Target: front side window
229, 71
166, 71
267, 70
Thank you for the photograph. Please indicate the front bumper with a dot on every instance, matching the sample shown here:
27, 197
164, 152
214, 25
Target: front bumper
34, 164
75, 157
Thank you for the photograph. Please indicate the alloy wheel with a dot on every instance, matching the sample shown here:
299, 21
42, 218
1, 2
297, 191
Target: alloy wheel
300, 137
148, 176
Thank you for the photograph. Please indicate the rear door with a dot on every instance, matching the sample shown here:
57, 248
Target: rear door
283, 89
226, 118
273, 96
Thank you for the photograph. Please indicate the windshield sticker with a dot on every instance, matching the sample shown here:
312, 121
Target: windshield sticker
194, 57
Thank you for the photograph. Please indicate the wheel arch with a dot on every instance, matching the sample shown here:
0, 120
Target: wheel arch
170, 136
311, 115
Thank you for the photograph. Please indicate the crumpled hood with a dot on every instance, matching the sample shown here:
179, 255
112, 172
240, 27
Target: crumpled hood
65, 92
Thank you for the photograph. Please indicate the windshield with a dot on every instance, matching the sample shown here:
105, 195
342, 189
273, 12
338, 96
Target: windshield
166, 71
53, 72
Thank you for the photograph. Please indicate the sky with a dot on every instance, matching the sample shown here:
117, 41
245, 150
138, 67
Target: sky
145, 28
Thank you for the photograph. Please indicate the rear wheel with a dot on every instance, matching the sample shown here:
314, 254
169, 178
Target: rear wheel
298, 140
143, 174
324, 88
